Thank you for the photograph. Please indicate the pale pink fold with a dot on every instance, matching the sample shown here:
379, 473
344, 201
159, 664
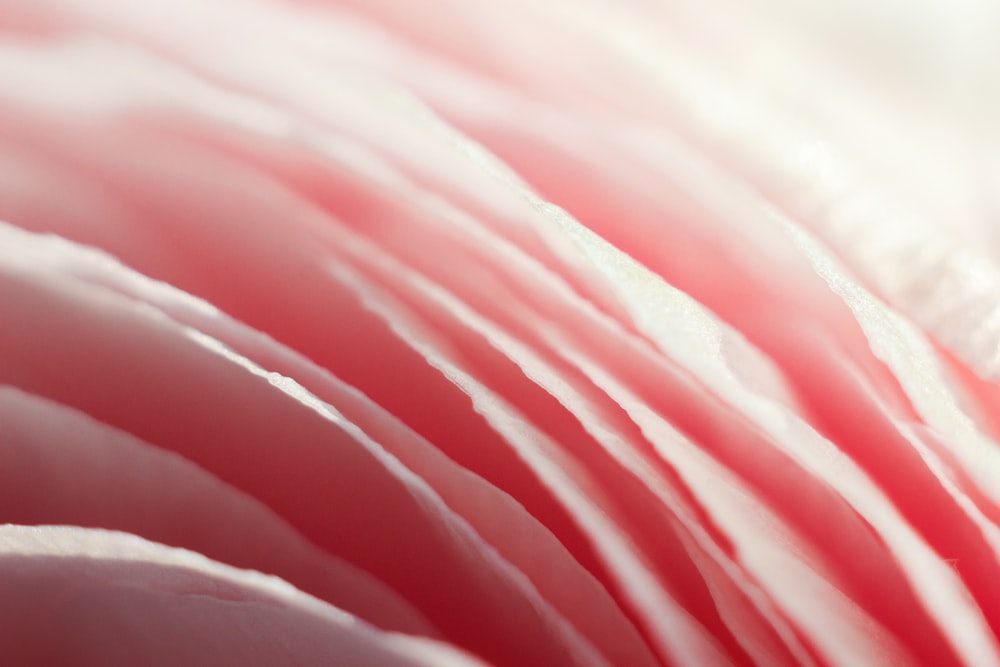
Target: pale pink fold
60, 467
269, 437
564, 333
73, 596
497, 517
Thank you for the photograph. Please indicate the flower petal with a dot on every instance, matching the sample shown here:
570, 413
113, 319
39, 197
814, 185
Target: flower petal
58, 466
85, 597
328, 479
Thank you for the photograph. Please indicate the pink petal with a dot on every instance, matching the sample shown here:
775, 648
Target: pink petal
189, 397
494, 515
60, 467
85, 597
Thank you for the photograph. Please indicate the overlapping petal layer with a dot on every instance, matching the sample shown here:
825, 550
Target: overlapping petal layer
531, 331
